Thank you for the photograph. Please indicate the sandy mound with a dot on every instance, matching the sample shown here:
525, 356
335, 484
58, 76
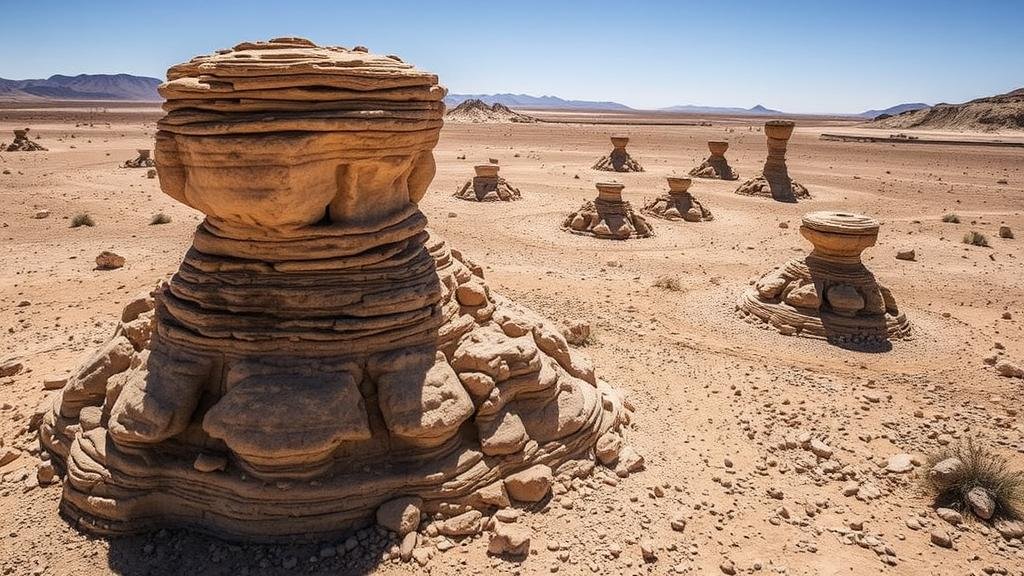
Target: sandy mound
487, 186
475, 111
1001, 112
608, 216
678, 204
22, 143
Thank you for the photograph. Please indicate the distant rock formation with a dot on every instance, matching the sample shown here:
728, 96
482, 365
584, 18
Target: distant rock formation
1001, 112
475, 111
608, 216
618, 160
716, 166
487, 186
82, 87
141, 160
774, 181
22, 143
678, 204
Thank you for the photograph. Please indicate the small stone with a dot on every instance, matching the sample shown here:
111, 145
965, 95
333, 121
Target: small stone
775, 493
45, 473
900, 464
608, 447
851, 488
401, 515
820, 449
494, 494
630, 461
407, 546
647, 551
464, 524
10, 367
941, 538
1005, 232
913, 523
906, 255
55, 381
946, 472
981, 502
530, 485
1009, 370
421, 556
206, 462
728, 567
1010, 528
9, 455
949, 515
678, 523
109, 261
509, 540
40, 214
507, 515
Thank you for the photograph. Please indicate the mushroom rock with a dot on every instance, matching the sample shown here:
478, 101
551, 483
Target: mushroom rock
22, 143
319, 352
142, 160
829, 293
618, 160
678, 204
608, 216
774, 181
716, 166
487, 186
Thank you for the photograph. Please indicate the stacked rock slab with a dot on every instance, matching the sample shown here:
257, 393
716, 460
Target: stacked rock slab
618, 160
142, 160
22, 143
318, 352
608, 216
716, 166
487, 186
678, 204
774, 181
830, 293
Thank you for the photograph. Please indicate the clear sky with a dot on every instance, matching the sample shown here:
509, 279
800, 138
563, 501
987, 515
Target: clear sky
795, 56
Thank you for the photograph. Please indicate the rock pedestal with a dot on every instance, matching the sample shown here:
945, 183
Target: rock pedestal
142, 160
608, 216
618, 160
318, 352
22, 143
829, 293
774, 181
487, 186
678, 204
716, 166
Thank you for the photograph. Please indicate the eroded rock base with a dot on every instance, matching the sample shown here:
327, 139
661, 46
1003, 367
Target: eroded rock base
782, 189
715, 167
480, 189
678, 207
618, 161
607, 219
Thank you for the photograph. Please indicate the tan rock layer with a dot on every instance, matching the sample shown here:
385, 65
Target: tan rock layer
618, 160
607, 219
678, 207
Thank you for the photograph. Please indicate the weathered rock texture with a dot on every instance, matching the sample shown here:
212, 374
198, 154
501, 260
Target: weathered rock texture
475, 111
608, 216
487, 186
716, 166
618, 160
22, 143
829, 293
678, 204
774, 180
318, 353
142, 160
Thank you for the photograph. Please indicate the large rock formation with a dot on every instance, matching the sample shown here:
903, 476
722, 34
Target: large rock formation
716, 166
142, 160
678, 204
22, 143
608, 216
618, 160
318, 352
774, 181
829, 293
487, 186
475, 111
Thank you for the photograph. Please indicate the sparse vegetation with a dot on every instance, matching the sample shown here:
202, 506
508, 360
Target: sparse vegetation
951, 218
82, 219
975, 238
159, 218
978, 467
670, 283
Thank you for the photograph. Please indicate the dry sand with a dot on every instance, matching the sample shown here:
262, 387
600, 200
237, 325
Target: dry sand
715, 396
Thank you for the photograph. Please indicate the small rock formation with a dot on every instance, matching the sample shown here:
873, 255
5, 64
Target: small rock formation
618, 160
678, 204
23, 144
716, 166
774, 180
608, 216
142, 160
319, 353
829, 293
475, 111
108, 260
487, 186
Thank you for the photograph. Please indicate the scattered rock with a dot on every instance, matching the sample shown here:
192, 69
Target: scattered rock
55, 381
941, 538
40, 214
1009, 370
949, 515
109, 261
401, 515
647, 551
10, 367
464, 524
206, 462
900, 464
408, 545
530, 485
906, 255
820, 449
1005, 232
509, 540
45, 473
728, 567
1010, 528
945, 472
981, 502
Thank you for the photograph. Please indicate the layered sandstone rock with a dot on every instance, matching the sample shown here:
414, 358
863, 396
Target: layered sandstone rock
319, 352
774, 181
829, 293
608, 216
716, 166
141, 160
678, 204
22, 143
618, 160
487, 186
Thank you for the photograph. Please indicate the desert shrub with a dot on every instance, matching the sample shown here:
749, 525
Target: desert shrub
670, 283
975, 238
951, 218
159, 218
981, 468
82, 219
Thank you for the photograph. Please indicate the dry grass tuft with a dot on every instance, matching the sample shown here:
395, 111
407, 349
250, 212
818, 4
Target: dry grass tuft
82, 219
951, 218
975, 238
670, 283
159, 218
981, 468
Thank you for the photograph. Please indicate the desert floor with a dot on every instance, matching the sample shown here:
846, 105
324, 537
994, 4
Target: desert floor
715, 396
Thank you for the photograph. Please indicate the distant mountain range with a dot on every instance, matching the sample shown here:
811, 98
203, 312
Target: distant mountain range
894, 110
731, 111
82, 87
527, 101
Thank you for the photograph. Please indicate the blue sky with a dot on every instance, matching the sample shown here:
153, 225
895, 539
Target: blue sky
796, 56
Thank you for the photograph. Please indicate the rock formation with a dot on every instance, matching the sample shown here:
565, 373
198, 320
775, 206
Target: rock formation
487, 186
678, 204
142, 160
23, 144
618, 160
774, 181
829, 293
475, 111
608, 216
716, 166
318, 352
